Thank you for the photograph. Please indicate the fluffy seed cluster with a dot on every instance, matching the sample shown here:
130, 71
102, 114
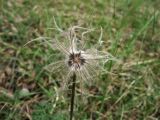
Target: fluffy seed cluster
77, 58
84, 62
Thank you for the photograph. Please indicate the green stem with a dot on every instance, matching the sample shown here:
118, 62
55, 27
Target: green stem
73, 95
154, 20
114, 8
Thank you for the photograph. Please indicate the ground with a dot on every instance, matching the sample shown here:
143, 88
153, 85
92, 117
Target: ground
130, 90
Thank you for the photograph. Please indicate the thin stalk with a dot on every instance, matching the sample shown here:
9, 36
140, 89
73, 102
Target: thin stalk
114, 8
73, 95
154, 20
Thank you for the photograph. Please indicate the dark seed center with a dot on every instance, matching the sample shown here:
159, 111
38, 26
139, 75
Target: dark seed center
75, 59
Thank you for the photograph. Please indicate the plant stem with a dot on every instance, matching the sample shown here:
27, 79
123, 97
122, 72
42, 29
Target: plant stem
154, 20
72, 95
114, 8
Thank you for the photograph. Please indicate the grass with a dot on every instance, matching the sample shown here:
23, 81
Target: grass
130, 32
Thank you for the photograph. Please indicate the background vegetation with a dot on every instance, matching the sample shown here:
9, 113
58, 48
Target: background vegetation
131, 91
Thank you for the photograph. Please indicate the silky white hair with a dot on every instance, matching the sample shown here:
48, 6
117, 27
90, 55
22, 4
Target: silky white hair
77, 58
